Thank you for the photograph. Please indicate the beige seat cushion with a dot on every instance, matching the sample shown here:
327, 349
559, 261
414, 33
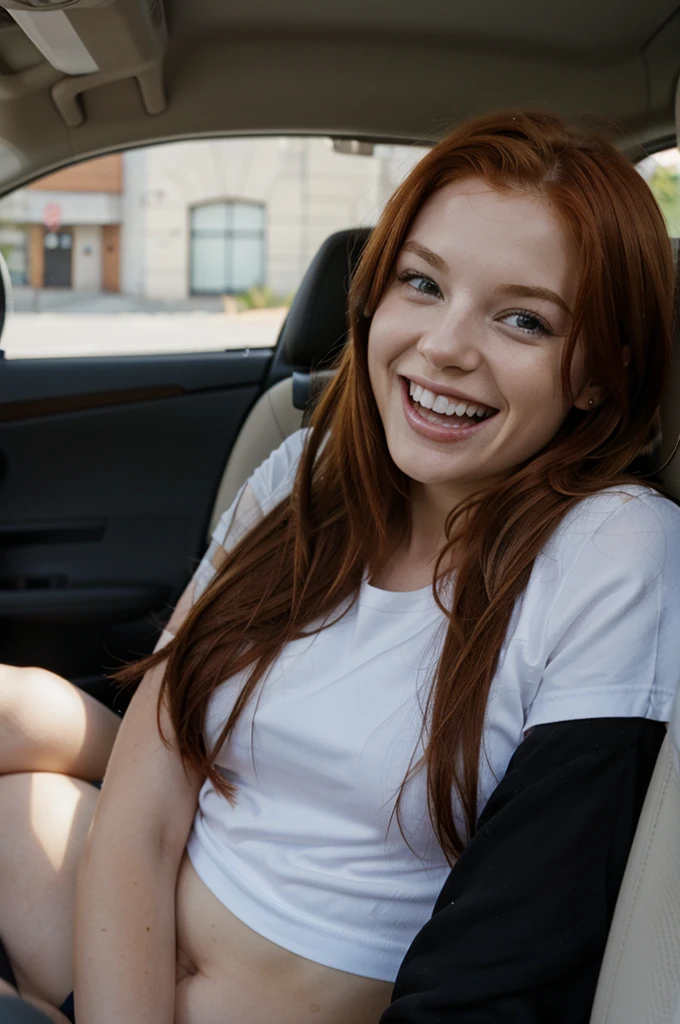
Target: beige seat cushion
271, 420
640, 978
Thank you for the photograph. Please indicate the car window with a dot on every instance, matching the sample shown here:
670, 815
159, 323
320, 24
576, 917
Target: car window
187, 246
662, 173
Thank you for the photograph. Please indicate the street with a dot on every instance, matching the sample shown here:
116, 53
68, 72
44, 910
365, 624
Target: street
69, 325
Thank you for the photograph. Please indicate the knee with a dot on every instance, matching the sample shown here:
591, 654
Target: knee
14, 677
18, 686
33, 703
12, 681
11, 675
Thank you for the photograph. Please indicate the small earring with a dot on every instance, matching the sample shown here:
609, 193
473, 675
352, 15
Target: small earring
590, 401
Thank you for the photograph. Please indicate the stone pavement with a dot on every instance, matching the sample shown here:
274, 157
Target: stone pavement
69, 325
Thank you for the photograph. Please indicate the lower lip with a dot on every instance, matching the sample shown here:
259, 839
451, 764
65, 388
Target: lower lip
431, 430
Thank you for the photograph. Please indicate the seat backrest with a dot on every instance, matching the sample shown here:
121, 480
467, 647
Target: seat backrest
268, 424
639, 981
312, 334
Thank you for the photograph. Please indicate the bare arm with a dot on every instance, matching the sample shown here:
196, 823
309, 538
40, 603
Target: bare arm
125, 933
125, 940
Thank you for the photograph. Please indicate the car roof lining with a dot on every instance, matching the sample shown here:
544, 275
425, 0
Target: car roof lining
332, 70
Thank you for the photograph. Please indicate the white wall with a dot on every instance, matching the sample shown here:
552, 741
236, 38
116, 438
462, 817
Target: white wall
87, 259
28, 207
309, 191
133, 223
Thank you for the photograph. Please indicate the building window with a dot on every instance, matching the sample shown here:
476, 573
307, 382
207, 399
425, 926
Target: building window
227, 248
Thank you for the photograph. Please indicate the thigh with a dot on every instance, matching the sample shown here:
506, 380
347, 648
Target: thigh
44, 820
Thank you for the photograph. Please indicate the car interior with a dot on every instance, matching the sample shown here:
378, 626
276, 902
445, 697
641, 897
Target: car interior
114, 470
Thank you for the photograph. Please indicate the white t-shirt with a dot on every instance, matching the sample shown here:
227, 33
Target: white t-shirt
311, 857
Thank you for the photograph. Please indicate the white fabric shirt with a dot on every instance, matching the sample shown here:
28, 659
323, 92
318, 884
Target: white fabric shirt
311, 857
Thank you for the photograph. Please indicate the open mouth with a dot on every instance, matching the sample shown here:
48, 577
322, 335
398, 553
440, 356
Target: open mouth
441, 417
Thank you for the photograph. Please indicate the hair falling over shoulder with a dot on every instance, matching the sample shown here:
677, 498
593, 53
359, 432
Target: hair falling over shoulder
304, 561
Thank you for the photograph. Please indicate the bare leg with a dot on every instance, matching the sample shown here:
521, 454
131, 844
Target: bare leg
49, 725
45, 819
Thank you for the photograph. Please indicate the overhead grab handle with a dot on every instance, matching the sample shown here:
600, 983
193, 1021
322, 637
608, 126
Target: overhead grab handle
95, 43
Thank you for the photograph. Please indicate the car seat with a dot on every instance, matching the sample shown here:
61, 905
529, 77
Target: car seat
639, 980
312, 334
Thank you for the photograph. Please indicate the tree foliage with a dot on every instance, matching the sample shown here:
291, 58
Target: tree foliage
665, 184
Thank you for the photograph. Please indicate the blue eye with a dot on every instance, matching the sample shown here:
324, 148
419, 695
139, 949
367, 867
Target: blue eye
420, 283
528, 323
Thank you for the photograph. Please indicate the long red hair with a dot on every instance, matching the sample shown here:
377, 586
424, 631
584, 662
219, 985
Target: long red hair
306, 558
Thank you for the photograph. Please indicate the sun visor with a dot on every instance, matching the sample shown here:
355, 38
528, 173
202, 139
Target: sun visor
94, 43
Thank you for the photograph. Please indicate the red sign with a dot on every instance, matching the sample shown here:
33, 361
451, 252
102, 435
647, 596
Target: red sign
52, 216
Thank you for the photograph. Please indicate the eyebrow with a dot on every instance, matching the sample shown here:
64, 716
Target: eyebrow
521, 290
512, 290
426, 254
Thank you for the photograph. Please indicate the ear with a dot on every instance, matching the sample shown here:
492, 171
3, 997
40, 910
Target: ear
590, 397
593, 395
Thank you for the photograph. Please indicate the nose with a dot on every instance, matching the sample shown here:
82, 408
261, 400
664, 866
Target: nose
452, 342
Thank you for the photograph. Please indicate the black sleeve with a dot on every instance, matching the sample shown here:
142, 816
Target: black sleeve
518, 932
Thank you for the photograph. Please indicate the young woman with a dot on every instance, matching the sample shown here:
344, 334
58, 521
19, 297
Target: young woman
432, 644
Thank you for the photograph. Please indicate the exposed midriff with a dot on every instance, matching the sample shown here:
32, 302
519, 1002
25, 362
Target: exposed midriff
228, 973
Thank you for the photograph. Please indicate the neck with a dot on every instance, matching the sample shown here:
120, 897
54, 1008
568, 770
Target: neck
430, 506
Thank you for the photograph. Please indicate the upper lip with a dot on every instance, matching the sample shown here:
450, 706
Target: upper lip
441, 389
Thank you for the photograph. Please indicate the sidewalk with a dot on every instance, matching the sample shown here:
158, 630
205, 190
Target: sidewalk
64, 300
72, 324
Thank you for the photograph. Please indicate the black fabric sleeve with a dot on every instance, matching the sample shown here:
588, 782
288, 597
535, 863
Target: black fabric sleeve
519, 930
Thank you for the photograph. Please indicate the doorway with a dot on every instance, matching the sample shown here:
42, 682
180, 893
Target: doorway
58, 248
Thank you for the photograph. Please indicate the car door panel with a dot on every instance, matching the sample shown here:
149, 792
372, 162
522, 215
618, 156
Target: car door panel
110, 468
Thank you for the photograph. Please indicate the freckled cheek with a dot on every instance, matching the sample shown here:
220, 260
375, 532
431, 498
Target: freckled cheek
385, 344
534, 401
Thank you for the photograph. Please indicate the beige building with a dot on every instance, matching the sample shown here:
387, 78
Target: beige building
201, 217
64, 230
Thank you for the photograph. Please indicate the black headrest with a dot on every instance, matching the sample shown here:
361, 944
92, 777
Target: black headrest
316, 325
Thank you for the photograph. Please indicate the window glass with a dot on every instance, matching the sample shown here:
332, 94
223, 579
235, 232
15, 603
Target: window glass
662, 173
248, 217
208, 265
247, 265
212, 217
186, 246
227, 248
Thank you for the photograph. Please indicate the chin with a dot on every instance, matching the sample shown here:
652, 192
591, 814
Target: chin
424, 467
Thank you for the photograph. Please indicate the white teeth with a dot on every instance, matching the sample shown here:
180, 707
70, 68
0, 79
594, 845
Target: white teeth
441, 404
432, 418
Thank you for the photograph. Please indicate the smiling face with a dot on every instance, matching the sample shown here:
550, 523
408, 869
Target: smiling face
465, 346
